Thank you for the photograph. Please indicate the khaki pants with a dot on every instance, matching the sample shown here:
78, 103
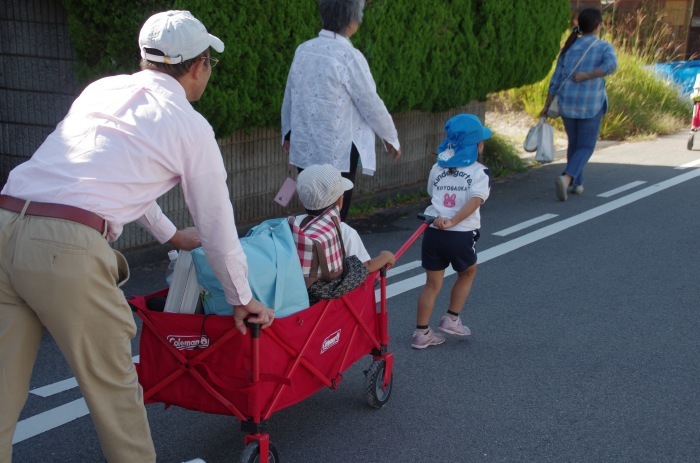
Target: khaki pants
63, 276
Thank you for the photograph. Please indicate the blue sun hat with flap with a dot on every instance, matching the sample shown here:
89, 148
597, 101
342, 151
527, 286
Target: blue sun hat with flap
464, 132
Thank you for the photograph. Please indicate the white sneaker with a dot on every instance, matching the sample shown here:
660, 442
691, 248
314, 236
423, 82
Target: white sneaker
561, 185
577, 189
447, 325
421, 339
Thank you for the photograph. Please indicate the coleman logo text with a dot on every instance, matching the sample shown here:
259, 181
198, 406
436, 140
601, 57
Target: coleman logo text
188, 342
330, 341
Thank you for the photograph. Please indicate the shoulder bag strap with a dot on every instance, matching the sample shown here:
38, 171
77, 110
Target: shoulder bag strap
336, 221
319, 262
305, 221
576, 67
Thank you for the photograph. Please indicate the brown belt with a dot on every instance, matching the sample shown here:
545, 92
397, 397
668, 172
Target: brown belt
57, 211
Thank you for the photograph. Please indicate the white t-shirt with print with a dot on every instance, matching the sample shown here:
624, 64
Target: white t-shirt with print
451, 190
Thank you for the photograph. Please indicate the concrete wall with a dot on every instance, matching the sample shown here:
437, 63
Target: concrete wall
37, 82
257, 167
37, 86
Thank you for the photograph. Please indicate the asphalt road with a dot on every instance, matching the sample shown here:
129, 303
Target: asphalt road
585, 344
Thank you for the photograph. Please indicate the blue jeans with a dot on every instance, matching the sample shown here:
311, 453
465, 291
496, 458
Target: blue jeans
582, 135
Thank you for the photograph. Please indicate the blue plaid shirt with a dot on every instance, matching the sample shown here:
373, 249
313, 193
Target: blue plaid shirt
583, 100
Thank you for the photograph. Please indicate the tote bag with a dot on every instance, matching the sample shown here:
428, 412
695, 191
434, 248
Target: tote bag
533, 136
274, 271
545, 144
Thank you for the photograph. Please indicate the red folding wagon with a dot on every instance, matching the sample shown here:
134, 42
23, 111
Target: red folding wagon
203, 363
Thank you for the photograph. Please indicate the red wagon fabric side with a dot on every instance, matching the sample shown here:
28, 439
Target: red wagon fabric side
203, 363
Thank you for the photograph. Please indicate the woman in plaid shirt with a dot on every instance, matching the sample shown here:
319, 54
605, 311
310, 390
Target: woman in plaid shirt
579, 84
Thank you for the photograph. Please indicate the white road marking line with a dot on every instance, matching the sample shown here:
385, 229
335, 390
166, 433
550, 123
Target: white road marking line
526, 224
687, 165
49, 420
61, 386
37, 424
403, 268
629, 186
516, 243
55, 388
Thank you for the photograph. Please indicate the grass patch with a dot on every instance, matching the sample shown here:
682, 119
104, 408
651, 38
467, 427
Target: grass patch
501, 157
642, 104
362, 208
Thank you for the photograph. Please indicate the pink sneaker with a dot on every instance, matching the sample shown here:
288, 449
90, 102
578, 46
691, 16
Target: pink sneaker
422, 340
447, 325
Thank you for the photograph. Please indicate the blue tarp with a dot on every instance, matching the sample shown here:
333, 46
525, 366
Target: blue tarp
681, 73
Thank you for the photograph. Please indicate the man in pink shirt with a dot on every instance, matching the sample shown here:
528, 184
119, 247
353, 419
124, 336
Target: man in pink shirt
125, 141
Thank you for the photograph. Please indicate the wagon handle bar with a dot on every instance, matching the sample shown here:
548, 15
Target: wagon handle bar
255, 328
427, 220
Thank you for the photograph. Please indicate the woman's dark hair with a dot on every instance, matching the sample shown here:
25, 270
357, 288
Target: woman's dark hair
588, 19
337, 15
174, 70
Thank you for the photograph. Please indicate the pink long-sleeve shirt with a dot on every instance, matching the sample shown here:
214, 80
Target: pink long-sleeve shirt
126, 141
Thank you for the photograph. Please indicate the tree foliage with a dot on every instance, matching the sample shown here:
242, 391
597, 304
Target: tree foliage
427, 55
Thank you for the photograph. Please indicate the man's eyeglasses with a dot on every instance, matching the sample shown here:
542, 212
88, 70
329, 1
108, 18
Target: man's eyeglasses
212, 61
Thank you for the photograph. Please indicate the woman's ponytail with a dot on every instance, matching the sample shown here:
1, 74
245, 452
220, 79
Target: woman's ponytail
575, 32
587, 21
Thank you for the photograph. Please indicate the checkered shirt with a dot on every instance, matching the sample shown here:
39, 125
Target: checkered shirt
583, 100
322, 232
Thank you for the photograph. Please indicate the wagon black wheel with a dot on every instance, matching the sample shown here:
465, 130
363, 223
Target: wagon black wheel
376, 395
691, 137
251, 453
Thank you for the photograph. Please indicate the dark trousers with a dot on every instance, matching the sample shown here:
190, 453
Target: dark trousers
347, 196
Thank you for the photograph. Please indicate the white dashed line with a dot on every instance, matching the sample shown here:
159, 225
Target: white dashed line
619, 190
526, 224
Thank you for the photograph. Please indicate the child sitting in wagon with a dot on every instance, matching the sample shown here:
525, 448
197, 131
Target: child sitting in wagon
333, 258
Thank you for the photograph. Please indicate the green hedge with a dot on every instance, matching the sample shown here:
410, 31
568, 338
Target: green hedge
428, 55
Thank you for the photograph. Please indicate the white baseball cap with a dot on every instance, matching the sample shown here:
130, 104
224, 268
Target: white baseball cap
178, 34
319, 186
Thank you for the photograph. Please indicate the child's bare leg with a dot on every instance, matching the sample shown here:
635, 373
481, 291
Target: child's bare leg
451, 322
461, 289
426, 300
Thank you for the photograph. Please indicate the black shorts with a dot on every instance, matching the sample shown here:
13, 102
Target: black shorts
443, 247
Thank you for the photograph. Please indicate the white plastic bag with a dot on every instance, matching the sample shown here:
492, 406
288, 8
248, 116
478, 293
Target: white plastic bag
533, 136
553, 110
545, 144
